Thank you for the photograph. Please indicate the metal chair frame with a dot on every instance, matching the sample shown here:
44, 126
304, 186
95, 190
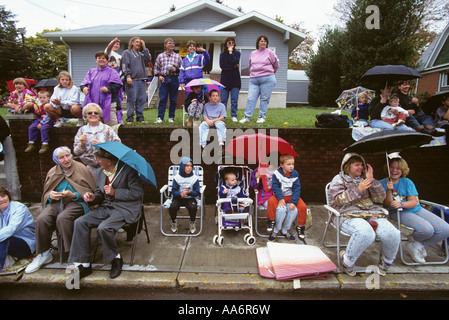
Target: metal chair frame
165, 192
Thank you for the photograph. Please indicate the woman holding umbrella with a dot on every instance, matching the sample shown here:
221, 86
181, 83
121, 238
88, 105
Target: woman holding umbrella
402, 198
359, 197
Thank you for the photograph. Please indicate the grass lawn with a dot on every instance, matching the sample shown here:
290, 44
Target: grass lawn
297, 117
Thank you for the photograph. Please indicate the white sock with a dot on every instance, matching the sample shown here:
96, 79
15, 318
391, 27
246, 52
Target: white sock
85, 265
117, 256
348, 262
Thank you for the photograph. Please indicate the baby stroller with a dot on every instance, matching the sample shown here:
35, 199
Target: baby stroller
241, 213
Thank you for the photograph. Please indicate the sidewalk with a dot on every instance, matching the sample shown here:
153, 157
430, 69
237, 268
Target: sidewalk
195, 263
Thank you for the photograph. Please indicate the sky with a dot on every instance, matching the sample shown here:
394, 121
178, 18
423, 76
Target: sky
37, 15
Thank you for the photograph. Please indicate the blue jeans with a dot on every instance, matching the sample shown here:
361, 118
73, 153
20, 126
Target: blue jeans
260, 86
136, 97
418, 120
284, 218
380, 124
168, 88
204, 132
234, 99
15, 247
429, 228
362, 235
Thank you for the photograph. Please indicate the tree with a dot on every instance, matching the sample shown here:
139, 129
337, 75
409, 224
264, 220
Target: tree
13, 58
300, 56
393, 42
47, 58
324, 69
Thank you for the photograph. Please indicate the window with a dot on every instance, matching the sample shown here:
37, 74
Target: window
444, 80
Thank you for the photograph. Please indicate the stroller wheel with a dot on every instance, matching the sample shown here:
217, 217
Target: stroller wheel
250, 240
218, 240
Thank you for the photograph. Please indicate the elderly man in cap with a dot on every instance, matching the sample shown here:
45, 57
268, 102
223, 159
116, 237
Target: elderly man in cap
119, 194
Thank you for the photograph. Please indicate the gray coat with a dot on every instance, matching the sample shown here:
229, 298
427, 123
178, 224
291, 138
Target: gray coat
128, 192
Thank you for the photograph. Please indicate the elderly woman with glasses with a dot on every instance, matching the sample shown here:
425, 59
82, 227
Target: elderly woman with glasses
93, 132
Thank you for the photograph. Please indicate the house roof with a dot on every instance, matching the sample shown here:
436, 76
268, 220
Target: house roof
428, 60
293, 36
150, 28
186, 11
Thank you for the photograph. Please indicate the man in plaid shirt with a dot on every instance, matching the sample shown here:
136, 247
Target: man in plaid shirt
166, 68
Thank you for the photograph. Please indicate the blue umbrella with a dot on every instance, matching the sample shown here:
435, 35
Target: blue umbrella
131, 158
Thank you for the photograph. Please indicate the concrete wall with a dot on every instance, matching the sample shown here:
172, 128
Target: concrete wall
320, 153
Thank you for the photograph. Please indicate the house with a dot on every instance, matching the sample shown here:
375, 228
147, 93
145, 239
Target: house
434, 65
297, 87
204, 21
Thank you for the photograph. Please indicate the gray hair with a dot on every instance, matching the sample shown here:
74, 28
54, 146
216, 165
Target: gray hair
92, 105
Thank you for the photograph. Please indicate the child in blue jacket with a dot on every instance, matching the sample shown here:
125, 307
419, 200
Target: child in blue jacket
185, 189
286, 188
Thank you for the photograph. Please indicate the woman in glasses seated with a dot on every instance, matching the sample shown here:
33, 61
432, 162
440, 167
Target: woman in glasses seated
93, 132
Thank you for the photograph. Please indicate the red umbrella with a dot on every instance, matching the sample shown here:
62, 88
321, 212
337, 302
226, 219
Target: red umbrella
29, 82
255, 147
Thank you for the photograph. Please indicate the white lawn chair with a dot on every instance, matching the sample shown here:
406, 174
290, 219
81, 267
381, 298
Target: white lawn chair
166, 199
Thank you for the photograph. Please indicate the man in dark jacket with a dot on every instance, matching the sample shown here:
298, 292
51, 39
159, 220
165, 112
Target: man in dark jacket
119, 194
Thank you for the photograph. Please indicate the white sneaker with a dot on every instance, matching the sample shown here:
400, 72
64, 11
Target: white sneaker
192, 227
60, 123
234, 119
174, 226
159, 120
38, 262
171, 120
244, 120
260, 120
221, 143
415, 250
10, 260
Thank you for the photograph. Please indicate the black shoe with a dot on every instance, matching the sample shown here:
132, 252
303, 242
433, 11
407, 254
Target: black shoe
437, 133
301, 230
116, 268
83, 272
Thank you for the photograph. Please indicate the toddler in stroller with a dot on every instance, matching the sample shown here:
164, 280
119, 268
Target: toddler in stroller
234, 206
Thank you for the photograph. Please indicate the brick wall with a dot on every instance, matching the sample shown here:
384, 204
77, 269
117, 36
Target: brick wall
320, 153
429, 83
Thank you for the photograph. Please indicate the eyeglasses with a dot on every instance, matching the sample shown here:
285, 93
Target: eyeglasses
93, 112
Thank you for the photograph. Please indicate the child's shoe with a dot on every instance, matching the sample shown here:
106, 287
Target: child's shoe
44, 148
289, 236
270, 224
60, 123
30, 147
301, 230
192, 227
174, 226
